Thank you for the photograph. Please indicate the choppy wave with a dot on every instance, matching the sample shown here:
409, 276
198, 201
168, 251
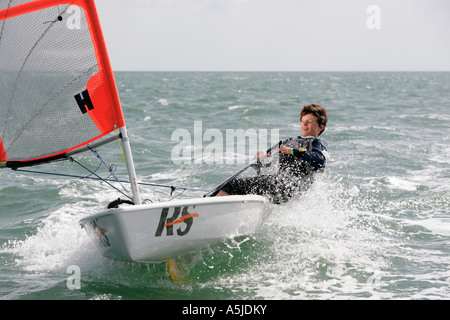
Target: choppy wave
375, 226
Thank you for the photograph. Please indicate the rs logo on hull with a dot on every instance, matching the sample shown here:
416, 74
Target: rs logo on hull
168, 223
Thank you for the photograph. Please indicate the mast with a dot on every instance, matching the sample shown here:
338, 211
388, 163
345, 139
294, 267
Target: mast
103, 52
130, 165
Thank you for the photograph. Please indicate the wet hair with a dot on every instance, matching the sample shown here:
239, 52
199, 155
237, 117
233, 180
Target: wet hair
317, 111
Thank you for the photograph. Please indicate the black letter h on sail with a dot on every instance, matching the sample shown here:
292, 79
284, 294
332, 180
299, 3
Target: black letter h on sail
84, 101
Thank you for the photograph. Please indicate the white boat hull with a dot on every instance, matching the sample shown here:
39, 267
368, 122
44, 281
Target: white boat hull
158, 232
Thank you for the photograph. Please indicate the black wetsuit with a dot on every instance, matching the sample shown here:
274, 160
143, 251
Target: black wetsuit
295, 173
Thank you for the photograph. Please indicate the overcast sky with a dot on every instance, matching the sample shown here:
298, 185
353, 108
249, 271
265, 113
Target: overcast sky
277, 35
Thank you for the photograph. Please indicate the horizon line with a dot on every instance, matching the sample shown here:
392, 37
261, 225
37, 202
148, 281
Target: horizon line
281, 71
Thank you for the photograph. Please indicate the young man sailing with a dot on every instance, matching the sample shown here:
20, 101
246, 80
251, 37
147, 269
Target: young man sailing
301, 158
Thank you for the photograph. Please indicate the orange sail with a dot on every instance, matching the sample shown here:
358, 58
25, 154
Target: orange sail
57, 88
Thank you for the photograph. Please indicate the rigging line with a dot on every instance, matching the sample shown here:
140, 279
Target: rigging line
177, 194
59, 18
58, 174
109, 167
88, 176
118, 135
173, 188
103, 180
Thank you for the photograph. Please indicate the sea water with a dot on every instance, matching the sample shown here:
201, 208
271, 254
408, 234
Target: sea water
375, 225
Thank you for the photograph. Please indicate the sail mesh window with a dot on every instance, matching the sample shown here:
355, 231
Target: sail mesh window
47, 58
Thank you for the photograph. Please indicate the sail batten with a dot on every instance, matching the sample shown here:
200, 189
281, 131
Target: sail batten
57, 88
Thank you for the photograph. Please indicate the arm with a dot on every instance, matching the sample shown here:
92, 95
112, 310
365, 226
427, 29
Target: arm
316, 157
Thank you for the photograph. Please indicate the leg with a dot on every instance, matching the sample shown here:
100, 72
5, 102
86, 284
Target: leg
222, 194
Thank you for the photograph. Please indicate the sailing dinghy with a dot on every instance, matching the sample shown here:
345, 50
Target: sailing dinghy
58, 98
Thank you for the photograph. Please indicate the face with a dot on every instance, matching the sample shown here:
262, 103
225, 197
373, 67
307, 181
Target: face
310, 126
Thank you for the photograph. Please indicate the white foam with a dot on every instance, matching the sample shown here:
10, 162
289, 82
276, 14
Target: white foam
236, 107
318, 246
439, 117
163, 102
400, 183
437, 226
55, 245
59, 240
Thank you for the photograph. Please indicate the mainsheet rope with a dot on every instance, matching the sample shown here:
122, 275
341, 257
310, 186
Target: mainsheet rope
110, 168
